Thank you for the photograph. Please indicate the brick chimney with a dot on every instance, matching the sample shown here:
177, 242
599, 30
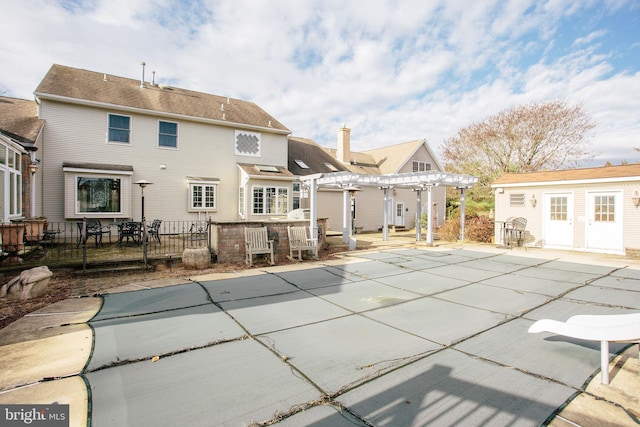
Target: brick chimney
344, 144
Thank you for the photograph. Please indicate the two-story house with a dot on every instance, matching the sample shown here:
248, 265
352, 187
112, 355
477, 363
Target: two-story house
206, 155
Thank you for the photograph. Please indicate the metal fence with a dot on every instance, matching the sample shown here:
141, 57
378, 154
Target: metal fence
91, 243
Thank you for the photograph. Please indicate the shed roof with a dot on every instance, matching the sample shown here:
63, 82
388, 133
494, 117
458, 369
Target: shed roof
89, 87
612, 173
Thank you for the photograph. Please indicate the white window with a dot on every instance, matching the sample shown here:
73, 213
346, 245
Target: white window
270, 200
241, 202
203, 196
119, 129
167, 134
296, 195
247, 143
10, 166
98, 194
419, 166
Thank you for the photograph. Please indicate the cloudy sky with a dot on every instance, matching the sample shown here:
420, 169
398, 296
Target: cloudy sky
392, 71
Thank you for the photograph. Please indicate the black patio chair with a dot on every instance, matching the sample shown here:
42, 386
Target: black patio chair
129, 230
95, 229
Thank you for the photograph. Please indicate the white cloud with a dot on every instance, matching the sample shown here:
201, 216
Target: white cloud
392, 70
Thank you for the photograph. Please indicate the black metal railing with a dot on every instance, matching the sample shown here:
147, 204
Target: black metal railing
89, 242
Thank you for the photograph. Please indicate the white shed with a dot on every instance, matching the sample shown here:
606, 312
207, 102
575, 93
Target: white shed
590, 209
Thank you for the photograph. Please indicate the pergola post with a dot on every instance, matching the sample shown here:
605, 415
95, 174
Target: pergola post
346, 215
429, 215
418, 215
313, 208
385, 214
462, 215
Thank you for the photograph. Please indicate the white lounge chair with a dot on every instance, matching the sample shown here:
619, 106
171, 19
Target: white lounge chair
603, 328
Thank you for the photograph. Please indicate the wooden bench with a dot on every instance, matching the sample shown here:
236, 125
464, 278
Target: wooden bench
256, 242
300, 241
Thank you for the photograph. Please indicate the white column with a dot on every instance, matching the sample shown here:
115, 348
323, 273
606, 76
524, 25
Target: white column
385, 215
313, 208
462, 202
346, 216
429, 216
418, 215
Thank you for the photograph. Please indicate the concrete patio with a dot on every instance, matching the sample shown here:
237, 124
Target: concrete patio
401, 335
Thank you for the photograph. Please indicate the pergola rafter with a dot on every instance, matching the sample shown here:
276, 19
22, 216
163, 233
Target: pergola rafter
416, 181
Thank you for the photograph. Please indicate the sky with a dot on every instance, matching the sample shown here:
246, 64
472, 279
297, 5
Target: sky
392, 71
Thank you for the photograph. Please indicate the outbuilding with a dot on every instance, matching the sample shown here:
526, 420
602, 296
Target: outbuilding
589, 209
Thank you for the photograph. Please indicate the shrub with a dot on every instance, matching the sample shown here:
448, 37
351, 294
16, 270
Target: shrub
476, 229
479, 229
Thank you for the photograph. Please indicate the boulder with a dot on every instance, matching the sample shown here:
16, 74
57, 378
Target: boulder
196, 258
28, 284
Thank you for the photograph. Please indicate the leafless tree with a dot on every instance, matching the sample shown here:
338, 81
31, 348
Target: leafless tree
534, 137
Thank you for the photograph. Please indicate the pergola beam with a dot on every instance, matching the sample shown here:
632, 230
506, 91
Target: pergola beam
417, 181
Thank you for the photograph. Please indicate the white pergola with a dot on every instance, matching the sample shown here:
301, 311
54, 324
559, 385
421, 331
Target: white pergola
417, 181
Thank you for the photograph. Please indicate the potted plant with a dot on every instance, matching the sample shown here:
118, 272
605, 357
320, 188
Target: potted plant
35, 228
12, 236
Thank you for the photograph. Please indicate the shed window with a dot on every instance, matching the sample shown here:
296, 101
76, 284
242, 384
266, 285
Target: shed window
558, 208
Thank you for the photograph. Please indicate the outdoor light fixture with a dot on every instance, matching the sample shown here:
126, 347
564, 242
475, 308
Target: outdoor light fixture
533, 200
33, 167
636, 198
143, 183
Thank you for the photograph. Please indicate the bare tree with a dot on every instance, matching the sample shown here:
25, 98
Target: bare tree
534, 137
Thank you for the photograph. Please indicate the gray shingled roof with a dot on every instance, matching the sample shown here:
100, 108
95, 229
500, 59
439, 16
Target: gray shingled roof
313, 155
19, 119
76, 85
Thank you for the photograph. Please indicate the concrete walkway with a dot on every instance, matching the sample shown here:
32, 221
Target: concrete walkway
402, 335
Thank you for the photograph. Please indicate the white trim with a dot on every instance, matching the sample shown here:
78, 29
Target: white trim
97, 171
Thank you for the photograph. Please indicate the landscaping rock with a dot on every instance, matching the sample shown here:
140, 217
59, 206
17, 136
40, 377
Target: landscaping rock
28, 284
196, 259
